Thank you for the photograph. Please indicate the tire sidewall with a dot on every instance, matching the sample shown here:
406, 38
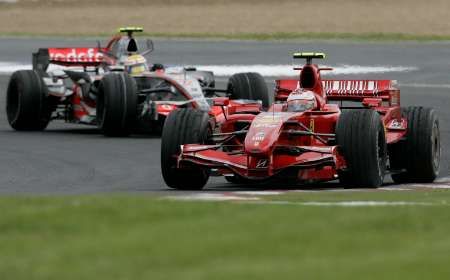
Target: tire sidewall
117, 104
251, 86
361, 138
183, 126
27, 102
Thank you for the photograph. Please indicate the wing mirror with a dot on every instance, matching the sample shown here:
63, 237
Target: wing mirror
102, 51
221, 101
150, 47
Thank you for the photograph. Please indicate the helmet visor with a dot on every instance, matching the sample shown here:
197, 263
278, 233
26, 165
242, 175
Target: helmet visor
300, 105
137, 69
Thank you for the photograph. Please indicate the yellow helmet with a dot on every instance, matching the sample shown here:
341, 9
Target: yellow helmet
136, 64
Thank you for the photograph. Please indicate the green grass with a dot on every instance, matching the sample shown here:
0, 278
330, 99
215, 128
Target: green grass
369, 37
131, 237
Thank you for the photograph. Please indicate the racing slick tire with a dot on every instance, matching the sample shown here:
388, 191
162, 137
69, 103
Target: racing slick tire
249, 86
117, 104
183, 126
28, 105
420, 153
361, 137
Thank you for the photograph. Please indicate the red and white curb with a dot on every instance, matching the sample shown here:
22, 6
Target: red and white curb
361, 203
257, 196
205, 196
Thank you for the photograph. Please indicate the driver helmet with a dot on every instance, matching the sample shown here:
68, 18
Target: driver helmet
135, 64
301, 101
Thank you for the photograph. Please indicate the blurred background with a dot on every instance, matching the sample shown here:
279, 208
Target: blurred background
240, 18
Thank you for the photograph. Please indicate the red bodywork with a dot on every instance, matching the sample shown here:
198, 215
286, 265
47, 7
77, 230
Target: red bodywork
297, 144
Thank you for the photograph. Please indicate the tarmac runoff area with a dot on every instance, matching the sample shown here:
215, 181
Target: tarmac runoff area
74, 159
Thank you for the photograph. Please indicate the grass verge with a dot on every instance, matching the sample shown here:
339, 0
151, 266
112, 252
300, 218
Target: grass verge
235, 19
130, 237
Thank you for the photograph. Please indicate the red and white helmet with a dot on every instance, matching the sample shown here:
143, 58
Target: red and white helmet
301, 101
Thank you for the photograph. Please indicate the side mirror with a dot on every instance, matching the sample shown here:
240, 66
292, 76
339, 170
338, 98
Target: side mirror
102, 51
221, 101
150, 47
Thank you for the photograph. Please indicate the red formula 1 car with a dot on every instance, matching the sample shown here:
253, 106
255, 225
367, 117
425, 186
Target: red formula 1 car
310, 134
114, 88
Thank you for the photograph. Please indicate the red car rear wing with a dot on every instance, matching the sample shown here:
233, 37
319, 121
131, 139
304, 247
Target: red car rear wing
347, 90
67, 57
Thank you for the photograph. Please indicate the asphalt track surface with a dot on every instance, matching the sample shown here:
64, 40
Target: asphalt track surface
73, 159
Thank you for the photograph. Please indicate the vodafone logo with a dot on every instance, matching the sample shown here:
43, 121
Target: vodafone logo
75, 55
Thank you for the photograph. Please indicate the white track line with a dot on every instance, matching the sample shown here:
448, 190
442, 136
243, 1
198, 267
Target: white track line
351, 203
255, 195
430, 186
265, 70
414, 85
262, 193
269, 71
287, 70
443, 180
9, 67
211, 197
395, 188
255, 200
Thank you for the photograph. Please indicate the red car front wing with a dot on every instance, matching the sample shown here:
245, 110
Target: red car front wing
312, 163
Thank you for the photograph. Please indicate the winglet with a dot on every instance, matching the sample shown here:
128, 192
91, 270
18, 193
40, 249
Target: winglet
309, 55
128, 29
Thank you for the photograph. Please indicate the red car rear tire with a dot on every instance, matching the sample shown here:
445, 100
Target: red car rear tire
420, 154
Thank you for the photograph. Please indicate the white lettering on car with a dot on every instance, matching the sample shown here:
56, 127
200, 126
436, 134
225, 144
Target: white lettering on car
76, 55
